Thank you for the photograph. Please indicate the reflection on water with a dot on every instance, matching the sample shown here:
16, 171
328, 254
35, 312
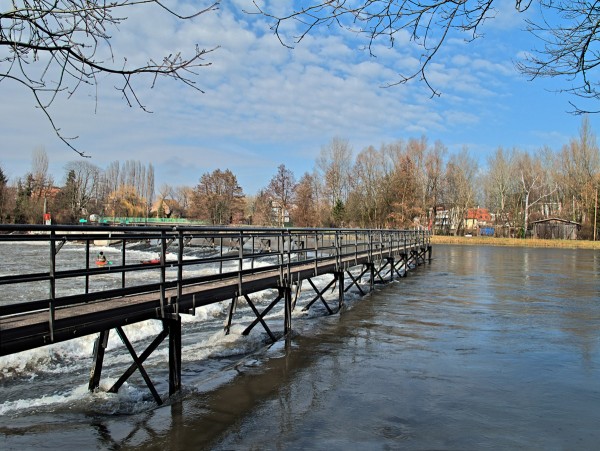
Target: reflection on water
494, 348
486, 348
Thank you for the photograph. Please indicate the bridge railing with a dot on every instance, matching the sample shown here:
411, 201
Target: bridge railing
184, 256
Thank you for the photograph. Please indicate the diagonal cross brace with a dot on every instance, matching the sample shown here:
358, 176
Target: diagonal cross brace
137, 362
401, 264
380, 270
355, 281
319, 296
260, 316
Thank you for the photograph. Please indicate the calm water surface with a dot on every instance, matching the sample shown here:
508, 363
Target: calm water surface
485, 348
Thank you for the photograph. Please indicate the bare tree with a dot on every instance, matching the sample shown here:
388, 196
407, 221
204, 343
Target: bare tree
570, 36
54, 47
304, 213
501, 182
163, 209
183, 196
366, 200
281, 189
534, 182
218, 198
461, 172
39, 171
434, 171
579, 165
86, 177
261, 209
334, 164
405, 206
568, 32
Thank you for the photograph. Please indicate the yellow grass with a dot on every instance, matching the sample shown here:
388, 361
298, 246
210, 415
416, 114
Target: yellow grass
491, 241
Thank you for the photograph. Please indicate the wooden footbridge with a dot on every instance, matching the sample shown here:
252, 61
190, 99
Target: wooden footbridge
196, 266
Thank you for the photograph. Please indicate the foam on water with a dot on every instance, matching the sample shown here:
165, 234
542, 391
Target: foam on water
203, 335
129, 399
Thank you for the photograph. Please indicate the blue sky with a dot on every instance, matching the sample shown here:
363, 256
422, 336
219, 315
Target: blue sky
264, 104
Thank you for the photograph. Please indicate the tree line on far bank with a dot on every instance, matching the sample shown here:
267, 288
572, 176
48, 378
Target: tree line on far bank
398, 185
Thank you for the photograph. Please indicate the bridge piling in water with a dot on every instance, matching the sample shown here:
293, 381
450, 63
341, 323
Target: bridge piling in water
233, 264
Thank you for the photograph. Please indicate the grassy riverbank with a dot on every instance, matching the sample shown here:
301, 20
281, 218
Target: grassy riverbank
491, 241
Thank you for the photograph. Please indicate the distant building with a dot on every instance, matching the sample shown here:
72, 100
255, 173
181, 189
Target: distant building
555, 229
443, 223
477, 218
280, 214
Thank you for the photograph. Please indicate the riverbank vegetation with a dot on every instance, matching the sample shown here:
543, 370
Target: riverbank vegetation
515, 242
405, 184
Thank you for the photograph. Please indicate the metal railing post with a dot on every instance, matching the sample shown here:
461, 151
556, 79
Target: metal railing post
289, 258
123, 281
87, 266
338, 251
221, 255
280, 254
163, 256
52, 283
179, 270
240, 261
316, 253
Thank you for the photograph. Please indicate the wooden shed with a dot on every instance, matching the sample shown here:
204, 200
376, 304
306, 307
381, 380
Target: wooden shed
555, 229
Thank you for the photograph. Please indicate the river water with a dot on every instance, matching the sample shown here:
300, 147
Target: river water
484, 348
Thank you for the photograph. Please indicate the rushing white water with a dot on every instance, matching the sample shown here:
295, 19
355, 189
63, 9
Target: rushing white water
56, 376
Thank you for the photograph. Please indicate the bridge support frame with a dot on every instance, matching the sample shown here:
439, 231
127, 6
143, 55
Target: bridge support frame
283, 292
171, 328
319, 296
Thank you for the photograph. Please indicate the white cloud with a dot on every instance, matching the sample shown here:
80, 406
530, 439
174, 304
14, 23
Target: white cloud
265, 104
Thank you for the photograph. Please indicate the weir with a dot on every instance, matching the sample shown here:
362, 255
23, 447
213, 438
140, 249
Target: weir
195, 266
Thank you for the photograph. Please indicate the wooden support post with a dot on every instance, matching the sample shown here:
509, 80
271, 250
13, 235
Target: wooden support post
391, 261
429, 249
174, 327
229, 318
98, 356
287, 327
340, 280
371, 276
297, 294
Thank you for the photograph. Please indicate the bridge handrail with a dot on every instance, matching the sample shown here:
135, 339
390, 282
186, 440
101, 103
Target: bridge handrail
248, 250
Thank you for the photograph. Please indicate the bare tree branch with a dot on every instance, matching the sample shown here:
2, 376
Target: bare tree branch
568, 31
570, 49
428, 22
55, 46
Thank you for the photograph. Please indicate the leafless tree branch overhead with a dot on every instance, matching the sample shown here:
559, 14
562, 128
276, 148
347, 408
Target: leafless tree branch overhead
56, 46
567, 32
